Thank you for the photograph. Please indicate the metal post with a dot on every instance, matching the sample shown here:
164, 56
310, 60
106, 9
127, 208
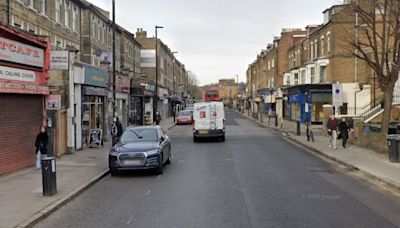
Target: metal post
114, 67
155, 99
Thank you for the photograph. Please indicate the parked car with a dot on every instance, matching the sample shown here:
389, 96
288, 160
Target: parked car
184, 117
140, 148
209, 120
189, 108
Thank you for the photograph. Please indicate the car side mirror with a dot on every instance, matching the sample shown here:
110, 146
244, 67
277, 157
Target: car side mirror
162, 139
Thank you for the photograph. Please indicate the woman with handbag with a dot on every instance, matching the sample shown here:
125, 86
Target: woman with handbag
41, 146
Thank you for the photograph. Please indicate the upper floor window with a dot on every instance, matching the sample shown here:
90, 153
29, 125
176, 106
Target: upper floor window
67, 10
328, 42
43, 7
74, 23
315, 48
312, 50
322, 45
312, 75
272, 63
31, 3
58, 10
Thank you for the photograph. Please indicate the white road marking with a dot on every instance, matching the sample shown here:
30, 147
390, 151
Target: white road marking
283, 133
148, 193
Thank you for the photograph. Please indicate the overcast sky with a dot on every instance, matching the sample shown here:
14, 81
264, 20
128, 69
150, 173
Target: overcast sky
217, 38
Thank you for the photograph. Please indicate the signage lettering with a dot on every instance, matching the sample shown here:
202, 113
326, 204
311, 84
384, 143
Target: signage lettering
20, 53
8, 73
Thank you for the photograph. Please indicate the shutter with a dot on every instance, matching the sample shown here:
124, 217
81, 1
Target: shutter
20, 121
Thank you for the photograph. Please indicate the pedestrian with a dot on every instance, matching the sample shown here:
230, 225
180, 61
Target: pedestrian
173, 114
344, 132
332, 127
41, 142
307, 130
120, 130
158, 118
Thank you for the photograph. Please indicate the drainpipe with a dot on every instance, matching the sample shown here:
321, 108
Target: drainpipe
8, 12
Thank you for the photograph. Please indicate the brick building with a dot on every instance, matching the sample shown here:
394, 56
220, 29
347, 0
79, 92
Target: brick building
228, 92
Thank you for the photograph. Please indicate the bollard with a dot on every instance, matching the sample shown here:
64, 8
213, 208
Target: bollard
49, 181
276, 120
298, 128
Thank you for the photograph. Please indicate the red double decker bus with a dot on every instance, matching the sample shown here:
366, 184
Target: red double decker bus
211, 95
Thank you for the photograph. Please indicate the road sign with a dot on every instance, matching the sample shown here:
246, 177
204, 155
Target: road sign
337, 95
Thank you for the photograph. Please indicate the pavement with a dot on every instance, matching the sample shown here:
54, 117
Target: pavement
22, 203
369, 162
254, 179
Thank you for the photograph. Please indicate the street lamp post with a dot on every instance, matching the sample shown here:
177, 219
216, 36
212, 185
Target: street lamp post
173, 71
113, 68
155, 100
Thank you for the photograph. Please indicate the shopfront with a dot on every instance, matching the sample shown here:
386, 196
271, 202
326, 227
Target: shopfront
136, 106
122, 98
94, 101
148, 97
305, 102
24, 64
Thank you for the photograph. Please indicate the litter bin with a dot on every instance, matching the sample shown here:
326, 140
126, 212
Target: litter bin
49, 182
394, 144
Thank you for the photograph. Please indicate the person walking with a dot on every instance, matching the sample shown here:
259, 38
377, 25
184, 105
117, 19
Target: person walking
332, 127
344, 132
41, 142
158, 118
174, 114
120, 130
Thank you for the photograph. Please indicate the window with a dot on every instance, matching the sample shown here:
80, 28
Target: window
296, 79
312, 74
322, 45
43, 7
312, 50
269, 65
74, 13
328, 42
58, 10
315, 49
272, 63
30, 3
303, 77
67, 10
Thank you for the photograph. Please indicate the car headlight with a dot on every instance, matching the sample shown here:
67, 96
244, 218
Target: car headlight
152, 152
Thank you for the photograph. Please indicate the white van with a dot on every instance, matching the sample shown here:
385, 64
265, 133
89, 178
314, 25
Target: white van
208, 120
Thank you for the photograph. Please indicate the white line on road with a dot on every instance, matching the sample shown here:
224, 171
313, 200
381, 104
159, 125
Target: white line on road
148, 193
283, 133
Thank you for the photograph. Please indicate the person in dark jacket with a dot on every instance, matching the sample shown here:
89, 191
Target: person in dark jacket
344, 132
158, 118
120, 130
41, 145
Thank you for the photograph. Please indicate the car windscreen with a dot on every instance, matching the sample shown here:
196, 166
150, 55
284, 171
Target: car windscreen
185, 113
139, 135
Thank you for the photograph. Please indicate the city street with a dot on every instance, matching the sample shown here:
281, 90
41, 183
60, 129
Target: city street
253, 179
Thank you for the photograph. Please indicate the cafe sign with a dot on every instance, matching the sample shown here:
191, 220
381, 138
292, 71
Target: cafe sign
14, 51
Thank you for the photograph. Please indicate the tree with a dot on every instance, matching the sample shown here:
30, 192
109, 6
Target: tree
378, 44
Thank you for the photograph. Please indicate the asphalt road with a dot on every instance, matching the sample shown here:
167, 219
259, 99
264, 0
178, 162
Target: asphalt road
254, 179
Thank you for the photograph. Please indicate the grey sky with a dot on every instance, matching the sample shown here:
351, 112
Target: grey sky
217, 38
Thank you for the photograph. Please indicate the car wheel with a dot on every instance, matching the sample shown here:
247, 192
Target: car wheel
160, 167
113, 172
223, 138
168, 161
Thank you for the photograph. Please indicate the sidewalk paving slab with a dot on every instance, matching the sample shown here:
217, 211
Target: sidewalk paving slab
22, 203
368, 162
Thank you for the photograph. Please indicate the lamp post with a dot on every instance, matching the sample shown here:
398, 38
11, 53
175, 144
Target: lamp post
155, 100
113, 68
173, 71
